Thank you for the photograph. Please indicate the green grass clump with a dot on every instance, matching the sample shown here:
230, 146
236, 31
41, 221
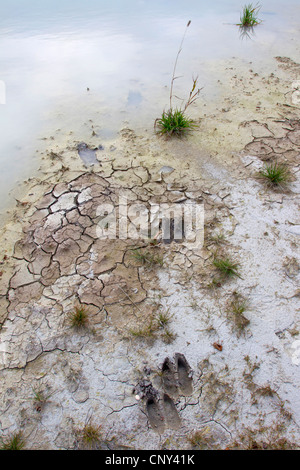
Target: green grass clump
90, 435
201, 440
264, 438
236, 309
40, 399
146, 257
226, 267
146, 331
163, 319
174, 123
14, 442
168, 336
156, 326
217, 239
249, 15
239, 306
275, 174
79, 317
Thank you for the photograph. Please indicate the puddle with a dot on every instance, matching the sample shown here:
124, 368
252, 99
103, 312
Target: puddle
87, 155
83, 69
134, 98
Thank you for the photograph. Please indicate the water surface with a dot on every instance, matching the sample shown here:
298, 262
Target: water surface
82, 65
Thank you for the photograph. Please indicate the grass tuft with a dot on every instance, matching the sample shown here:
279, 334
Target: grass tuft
147, 258
147, 331
174, 123
249, 16
168, 336
216, 239
201, 440
157, 326
226, 267
236, 309
163, 319
90, 435
40, 399
275, 174
79, 317
14, 442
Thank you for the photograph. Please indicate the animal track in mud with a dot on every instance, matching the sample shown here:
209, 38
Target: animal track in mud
169, 378
171, 413
176, 375
185, 380
176, 380
155, 415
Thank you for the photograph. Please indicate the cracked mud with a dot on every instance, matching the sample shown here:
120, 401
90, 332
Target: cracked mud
145, 367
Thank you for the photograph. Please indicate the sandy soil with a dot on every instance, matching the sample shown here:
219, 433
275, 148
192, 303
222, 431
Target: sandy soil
174, 356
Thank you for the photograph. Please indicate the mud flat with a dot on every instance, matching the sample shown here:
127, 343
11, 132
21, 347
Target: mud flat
174, 355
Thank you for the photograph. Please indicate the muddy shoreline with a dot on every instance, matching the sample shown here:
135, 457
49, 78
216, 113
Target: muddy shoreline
244, 369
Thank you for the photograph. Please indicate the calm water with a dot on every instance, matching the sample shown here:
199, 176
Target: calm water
123, 52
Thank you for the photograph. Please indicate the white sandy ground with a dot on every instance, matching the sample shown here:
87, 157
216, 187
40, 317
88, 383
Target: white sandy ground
273, 314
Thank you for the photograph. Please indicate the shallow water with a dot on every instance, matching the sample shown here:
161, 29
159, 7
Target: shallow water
94, 66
